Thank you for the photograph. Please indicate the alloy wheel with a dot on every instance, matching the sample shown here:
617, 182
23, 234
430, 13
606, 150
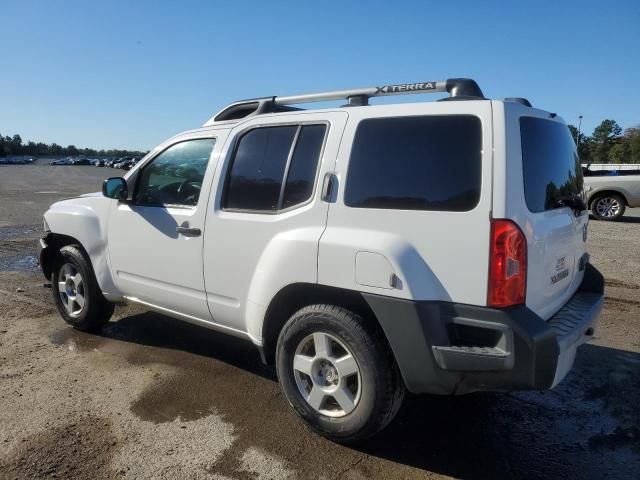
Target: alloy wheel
608, 207
327, 375
71, 289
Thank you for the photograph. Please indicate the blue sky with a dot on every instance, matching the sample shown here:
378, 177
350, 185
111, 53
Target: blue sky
131, 73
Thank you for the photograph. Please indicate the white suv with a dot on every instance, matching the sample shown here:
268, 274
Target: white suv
365, 249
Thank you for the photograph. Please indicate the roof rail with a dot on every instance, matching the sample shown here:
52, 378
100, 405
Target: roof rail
461, 88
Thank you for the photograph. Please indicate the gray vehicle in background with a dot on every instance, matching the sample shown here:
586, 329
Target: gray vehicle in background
610, 189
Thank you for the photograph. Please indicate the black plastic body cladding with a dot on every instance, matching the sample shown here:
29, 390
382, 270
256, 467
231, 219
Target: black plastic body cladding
419, 332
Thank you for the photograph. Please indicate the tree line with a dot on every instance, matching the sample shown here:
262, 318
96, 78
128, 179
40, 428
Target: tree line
13, 145
608, 143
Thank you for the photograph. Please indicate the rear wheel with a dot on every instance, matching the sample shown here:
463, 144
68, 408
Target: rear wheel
608, 206
76, 292
336, 374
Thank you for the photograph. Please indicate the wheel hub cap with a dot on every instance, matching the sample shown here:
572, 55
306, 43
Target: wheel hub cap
608, 207
327, 375
71, 289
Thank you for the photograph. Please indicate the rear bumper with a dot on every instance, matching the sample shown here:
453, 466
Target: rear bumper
448, 348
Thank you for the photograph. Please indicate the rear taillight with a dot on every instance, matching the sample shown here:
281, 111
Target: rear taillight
507, 265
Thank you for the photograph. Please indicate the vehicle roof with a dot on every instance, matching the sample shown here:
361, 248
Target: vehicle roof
374, 110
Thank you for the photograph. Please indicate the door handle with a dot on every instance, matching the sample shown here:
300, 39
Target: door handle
189, 232
327, 187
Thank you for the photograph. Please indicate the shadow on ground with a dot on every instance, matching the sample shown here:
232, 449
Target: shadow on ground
628, 219
623, 219
585, 428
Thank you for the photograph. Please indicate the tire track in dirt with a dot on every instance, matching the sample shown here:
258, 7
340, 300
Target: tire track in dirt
82, 449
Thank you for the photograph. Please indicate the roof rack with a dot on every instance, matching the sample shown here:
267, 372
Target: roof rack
458, 89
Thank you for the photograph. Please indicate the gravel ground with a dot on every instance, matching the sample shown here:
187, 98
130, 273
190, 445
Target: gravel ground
152, 397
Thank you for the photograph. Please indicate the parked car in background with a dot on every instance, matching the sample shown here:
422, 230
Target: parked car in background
98, 162
125, 164
17, 160
610, 189
114, 161
62, 161
82, 161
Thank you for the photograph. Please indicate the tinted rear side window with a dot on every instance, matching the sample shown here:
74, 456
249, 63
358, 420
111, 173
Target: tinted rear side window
258, 168
416, 163
304, 164
550, 164
260, 180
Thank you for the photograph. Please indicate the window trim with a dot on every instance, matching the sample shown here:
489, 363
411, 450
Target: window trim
232, 153
481, 154
150, 160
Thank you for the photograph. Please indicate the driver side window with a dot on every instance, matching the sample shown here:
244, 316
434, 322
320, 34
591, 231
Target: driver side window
175, 176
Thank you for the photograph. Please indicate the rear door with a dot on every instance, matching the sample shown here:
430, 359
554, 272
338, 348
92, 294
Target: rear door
266, 216
411, 213
543, 170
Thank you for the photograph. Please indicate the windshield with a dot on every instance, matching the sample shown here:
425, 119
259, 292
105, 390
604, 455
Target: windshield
552, 170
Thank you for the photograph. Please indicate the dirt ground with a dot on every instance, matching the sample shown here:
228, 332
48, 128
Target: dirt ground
152, 397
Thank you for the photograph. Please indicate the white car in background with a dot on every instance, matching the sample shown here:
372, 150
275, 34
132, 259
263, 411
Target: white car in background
611, 188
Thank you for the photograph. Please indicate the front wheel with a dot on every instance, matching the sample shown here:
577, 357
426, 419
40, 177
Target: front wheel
608, 206
76, 292
339, 376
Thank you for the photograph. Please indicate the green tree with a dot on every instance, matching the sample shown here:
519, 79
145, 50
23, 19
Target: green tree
42, 148
13, 145
7, 145
603, 138
31, 148
583, 143
620, 153
55, 149
632, 138
16, 144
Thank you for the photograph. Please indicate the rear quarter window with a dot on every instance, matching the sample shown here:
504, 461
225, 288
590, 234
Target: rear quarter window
550, 164
416, 163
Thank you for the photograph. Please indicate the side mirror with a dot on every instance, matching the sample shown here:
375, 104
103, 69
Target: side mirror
115, 187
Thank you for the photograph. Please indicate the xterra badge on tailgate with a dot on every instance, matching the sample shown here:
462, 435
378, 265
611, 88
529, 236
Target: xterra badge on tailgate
561, 271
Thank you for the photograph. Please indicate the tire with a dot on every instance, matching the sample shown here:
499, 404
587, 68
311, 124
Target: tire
76, 292
366, 399
608, 206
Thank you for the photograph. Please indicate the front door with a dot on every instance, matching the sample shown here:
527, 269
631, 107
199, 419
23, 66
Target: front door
155, 241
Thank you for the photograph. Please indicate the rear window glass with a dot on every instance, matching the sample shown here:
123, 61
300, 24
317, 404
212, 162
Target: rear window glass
550, 164
416, 163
